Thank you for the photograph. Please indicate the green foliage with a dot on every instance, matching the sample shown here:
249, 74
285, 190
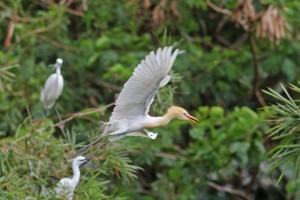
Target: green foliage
33, 161
293, 189
241, 129
285, 131
101, 42
5, 77
221, 148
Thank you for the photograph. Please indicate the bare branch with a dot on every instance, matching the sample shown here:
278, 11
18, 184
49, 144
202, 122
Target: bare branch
228, 190
10, 32
217, 8
73, 116
255, 58
56, 43
107, 85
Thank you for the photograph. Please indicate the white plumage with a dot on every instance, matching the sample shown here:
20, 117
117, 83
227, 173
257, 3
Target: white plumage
53, 86
138, 92
130, 115
132, 106
66, 186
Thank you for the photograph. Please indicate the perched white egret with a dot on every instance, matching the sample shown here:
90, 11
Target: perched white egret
130, 115
53, 87
66, 186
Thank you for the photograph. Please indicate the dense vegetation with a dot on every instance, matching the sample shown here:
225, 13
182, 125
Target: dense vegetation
246, 145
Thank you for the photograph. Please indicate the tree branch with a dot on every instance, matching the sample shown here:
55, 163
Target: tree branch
228, 190
107, 85
72, 116
217, 8
56, 43
254, 172
256, 90
10, 32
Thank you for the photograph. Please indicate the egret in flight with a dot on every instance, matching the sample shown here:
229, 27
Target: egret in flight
66, 186
130, 115
53, 87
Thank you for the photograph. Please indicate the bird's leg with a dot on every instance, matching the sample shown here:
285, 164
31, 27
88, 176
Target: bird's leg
138, 133
92, 143
118, 134
117, 137
55, 107
47, 113
46, 110
120, 131
101, 146
150, 134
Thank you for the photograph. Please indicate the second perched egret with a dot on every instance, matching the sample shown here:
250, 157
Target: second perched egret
130, 115
53, 87
66, 186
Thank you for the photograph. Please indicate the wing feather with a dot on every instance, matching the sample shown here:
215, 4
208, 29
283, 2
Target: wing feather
52, 90
139, 91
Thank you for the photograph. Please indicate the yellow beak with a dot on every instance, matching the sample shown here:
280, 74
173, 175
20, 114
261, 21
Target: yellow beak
193, 119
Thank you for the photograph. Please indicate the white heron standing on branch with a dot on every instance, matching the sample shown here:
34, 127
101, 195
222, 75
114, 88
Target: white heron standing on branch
53, 87
130, 115
66, 186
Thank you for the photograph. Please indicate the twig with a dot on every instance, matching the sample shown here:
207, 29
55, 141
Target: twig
41, 30
203, 26
17, 18
239, 41
67, 9
222, 40
80, 114
107, 85
10, 32
100, 146
29, 115
228, 190
219, 28
254, 173
84, 5
168, 156
256, 90
73, 116
217, 8
4, 6
74, 12
56, 43
221, 24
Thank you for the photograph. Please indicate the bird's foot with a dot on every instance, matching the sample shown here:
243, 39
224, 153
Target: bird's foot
152, 135
57, 113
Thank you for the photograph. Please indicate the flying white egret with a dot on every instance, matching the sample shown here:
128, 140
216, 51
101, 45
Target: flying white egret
130, 115
66, 186
53, 87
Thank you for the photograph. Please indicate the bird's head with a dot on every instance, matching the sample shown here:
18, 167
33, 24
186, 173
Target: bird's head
180, 113
79, 161
58, 63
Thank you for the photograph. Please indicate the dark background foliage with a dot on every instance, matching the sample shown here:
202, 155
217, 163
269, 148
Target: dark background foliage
232, 50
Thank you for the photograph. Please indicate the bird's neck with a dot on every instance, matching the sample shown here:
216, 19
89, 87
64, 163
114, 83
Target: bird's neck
57, 70
76, 175
159, 121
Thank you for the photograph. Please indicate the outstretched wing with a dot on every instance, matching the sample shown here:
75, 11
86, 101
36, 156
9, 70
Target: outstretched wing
138, 92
